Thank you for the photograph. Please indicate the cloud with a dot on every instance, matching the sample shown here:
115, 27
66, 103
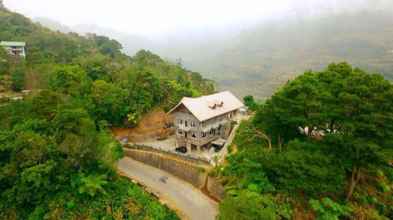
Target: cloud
157, 16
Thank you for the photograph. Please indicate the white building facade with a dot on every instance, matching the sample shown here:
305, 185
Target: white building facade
200, 121
14, 48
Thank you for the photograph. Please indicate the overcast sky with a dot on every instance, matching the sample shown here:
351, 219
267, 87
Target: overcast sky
162, 16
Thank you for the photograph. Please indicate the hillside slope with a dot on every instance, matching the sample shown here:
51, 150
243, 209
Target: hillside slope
319, 148
57, 156
258, 59
264, 58
46, 48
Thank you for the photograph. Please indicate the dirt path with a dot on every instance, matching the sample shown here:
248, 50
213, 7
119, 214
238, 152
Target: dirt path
181, 196
151, 126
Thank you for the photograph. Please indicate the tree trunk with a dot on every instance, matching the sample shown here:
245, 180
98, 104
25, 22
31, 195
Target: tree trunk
331, 127
355, 176
279, 142
264, 136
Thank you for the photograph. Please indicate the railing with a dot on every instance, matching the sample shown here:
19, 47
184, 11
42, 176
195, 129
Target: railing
214, 125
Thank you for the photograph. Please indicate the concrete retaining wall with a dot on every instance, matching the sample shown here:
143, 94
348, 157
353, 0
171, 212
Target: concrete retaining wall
194, 173
180, 156
215, 188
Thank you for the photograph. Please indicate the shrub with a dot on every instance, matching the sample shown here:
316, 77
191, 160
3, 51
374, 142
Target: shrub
327, 209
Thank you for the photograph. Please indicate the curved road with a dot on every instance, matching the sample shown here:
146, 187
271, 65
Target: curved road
188, 201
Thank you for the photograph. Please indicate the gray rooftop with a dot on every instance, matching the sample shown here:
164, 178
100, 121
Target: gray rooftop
12, 44
207, 107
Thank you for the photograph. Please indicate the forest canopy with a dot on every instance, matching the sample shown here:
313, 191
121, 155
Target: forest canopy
323, 142
57, 156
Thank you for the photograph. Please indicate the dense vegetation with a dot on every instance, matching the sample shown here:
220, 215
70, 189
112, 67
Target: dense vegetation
57, 157
57, 163
321, 146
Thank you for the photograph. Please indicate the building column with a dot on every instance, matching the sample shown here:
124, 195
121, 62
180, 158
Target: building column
188, 146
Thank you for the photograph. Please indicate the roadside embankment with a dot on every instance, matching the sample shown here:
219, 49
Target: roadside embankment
190, 170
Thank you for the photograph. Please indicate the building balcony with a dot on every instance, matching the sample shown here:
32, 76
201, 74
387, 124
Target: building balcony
215, 125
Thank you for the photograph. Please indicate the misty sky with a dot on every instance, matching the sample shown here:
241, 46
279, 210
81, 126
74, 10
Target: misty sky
148, 17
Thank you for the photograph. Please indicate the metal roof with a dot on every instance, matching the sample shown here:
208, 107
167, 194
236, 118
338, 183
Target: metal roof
207, 107
12, 44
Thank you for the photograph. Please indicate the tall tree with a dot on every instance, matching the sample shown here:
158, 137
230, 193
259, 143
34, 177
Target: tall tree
349, 110
110, 102
71, 80
18, 77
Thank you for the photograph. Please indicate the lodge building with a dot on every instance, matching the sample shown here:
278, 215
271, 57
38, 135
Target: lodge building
204, 120
14, 48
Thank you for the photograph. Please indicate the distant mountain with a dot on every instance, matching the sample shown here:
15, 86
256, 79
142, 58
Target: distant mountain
53, 25
133, 43
268, 56
259, 59
2, 5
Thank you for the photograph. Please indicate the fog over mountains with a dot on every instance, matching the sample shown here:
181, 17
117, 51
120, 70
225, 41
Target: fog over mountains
255, 58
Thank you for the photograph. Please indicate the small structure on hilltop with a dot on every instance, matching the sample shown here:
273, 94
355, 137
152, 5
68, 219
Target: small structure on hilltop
14, 48
203, 121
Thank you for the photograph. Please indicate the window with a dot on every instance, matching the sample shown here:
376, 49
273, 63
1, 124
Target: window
203, 134
185, 123
180, 132
192, 123
181, 121
193, 135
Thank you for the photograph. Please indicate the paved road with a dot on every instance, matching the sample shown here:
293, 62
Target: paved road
189, 202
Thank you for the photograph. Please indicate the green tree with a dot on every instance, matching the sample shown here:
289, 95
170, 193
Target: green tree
250, 102
349, 110
91, 184
174, 92
76, 136
4, 62
96, 67
18, 78
110, 102
70, 80
144, 91
326, 209
247, 205
106, 46
45, 104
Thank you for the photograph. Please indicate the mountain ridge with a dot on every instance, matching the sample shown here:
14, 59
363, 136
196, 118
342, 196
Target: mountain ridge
257, 60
